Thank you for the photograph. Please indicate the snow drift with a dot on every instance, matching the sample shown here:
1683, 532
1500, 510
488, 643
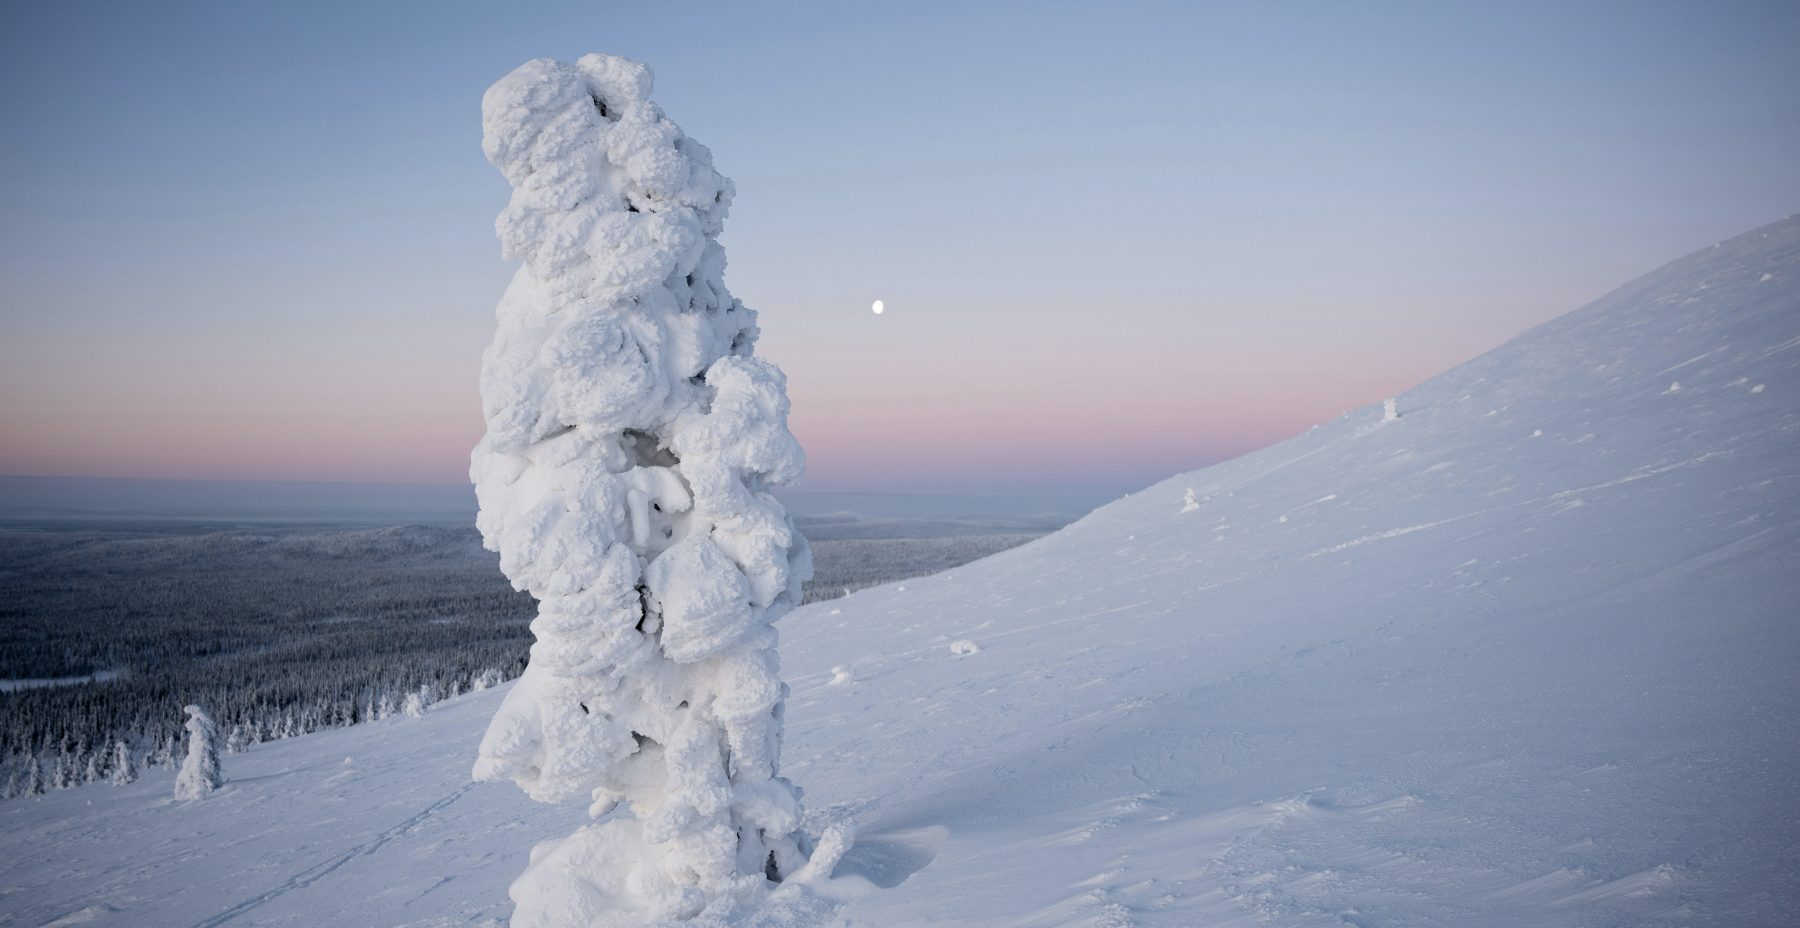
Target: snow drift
1518, 657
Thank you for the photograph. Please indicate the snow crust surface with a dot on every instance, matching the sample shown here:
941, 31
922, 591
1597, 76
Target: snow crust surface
1435, 670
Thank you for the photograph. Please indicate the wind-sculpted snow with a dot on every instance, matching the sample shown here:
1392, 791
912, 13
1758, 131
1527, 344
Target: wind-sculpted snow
1519, 657
623, 480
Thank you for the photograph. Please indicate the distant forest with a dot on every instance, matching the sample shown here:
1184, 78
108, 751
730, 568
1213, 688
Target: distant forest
279, 631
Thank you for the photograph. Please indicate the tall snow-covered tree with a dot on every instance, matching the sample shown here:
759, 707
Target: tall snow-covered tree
632, 438
124, 768
200, 772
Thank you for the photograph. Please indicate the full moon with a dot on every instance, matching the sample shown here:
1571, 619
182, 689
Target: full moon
878, 306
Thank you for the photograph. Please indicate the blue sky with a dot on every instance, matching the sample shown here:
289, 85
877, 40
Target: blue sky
254, 240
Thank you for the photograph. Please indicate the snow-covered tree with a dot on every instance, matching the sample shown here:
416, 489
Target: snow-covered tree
34, 777
632, 438
200, 768
124, 769
95, 764
415, 705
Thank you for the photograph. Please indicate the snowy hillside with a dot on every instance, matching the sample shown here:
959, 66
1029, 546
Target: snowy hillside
1521, 656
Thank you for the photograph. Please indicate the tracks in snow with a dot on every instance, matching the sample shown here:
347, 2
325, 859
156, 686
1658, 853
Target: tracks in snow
317, 872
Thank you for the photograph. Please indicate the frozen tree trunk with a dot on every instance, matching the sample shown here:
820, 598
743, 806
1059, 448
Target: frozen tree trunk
624, 479
200, 768
124, 769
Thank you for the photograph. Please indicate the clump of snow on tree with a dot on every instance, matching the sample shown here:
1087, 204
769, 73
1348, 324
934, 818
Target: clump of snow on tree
124, 769
200, 772
624, 480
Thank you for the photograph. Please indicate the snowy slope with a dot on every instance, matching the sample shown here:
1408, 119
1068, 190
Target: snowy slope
1519, 657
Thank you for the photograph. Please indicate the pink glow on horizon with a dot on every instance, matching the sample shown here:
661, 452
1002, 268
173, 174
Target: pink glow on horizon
1114, 420
914, 414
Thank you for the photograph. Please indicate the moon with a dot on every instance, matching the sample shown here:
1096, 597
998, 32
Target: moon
878, 307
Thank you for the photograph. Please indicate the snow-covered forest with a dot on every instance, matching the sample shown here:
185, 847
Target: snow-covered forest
283, 630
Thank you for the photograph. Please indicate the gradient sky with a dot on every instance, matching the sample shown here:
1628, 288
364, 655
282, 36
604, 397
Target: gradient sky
1116, 241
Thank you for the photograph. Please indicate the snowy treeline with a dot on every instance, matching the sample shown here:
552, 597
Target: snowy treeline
71, 760
215, 619
276, 634
203, 618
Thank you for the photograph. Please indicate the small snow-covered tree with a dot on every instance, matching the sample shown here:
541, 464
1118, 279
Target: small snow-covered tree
34, 777
415, 705
237, 742
632, 438
124, 769
200, 768
95, 764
